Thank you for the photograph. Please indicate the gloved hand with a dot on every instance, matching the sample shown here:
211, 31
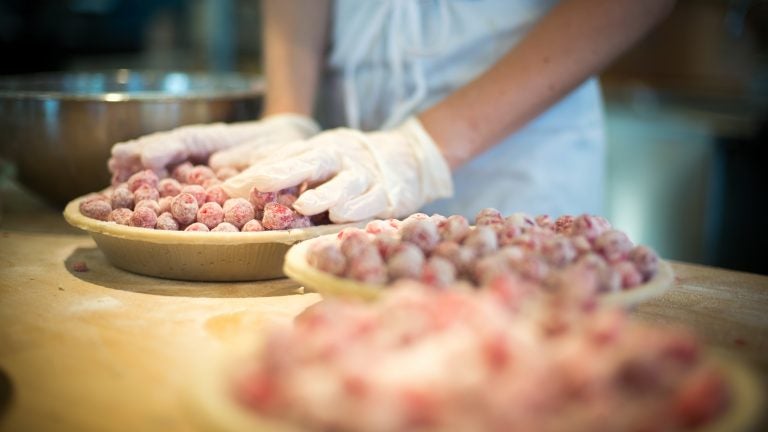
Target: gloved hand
359, 175
197, 142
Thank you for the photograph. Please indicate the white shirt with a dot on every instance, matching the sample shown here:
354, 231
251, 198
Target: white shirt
391, 59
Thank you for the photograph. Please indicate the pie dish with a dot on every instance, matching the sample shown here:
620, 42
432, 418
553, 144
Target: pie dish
194, 256
356, 366
297, 267
212, 406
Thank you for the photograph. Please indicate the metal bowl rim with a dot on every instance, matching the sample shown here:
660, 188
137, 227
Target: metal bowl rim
256, 89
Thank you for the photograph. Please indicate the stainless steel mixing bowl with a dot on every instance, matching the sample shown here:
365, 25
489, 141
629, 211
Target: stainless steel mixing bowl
58, 128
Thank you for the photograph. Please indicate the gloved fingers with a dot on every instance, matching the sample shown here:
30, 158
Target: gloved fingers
238, 132
311, 166
125, 159
343, 187
373, 203
126, 151
281, 143
236, 157
203, 140
277, 151
158, 150
200, 141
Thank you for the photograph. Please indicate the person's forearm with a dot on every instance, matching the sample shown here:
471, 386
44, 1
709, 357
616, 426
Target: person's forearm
575, 40
294, 35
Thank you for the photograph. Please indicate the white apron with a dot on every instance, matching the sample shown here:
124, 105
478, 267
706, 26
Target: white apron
391, 59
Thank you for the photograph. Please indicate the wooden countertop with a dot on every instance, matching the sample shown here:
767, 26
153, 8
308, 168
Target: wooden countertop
109, 350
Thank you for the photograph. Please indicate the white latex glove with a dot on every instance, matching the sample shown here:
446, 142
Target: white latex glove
197, 142
380, 174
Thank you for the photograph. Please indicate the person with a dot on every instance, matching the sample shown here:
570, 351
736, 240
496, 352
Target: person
435, 106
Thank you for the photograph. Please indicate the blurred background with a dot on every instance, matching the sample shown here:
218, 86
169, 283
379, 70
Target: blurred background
687, 108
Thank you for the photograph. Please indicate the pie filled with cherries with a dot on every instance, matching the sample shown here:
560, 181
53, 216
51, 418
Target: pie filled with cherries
436, 250
506, 358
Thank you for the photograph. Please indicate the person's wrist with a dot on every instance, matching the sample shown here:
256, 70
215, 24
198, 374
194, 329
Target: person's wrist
305, 124
273, 107
448, 136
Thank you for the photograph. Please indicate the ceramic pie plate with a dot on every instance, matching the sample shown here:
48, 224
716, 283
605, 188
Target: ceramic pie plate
298, 268
194, 256
211, 403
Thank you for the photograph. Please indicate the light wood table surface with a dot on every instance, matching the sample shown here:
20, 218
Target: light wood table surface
109, 350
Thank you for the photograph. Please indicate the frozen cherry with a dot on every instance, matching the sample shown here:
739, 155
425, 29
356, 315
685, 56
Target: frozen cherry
438, 272
143, 217
238, 211
180, 172
454, 228
406, 261
252, 225
145, 177
277, 216
225, 227
327, 256
169, 187
166, 222
211, 214
421, 232
120, 216
96, 207
122, 197
152, 204
482, 240
184, 208
613, 245
197, 226
199, 174
216, 194
196, 191
259, 200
